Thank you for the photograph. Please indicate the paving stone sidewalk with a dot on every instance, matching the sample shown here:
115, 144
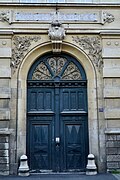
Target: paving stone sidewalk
63, 177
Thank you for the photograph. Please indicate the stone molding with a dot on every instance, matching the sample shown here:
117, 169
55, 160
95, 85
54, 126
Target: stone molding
92, 46
21, 46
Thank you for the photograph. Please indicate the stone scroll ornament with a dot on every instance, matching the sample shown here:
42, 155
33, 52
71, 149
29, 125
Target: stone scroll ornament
92, 46
21, 46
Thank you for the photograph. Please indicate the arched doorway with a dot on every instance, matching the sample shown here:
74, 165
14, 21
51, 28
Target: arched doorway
57, 120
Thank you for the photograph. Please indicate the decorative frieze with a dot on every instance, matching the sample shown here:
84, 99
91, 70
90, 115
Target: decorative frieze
92, 46
21, 46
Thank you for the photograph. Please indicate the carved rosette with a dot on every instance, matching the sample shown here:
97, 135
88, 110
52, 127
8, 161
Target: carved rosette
21, 46
107, 18
4, 16
56, 34
92, 46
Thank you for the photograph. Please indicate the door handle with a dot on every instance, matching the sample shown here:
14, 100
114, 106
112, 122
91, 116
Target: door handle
57, 141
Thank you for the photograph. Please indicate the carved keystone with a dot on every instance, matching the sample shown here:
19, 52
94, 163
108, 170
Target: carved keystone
56, 34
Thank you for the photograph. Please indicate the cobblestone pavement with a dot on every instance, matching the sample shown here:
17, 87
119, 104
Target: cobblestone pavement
63, 177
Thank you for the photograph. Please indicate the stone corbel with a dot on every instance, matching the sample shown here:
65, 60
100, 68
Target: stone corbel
56, 34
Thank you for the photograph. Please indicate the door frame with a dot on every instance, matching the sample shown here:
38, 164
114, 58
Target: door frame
58, 87
93, 79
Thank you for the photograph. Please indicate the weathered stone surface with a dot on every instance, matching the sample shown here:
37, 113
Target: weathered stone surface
4, 153
111, 137
113, 123
110, 72
4, 160
5, 52
3, 139
114, 158
111, 151
4, 114
112, 92
4, 167
4, 103
5, 92
118, 137
113, 113
4, 146
113, 144
112, 165
13, 168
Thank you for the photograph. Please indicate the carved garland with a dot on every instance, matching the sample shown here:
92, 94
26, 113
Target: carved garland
93, 47
20, 47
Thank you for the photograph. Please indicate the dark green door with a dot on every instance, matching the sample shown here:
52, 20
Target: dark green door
57, 126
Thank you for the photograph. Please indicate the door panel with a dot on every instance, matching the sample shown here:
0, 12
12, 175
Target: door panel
40, 146
40, 150
40, 99
74, 146
73, 99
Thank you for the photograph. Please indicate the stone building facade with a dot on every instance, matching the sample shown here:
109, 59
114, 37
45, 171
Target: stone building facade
88, 33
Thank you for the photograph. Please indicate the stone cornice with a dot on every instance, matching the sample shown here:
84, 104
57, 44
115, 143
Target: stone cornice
87, 5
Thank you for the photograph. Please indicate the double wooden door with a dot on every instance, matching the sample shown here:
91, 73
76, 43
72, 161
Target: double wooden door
57, 128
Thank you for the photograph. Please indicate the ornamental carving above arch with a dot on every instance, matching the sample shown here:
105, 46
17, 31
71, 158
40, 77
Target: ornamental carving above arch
92, 47
21, 45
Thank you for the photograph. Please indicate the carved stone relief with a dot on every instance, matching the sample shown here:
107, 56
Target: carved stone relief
92, 46
4, 16
107, 18
21, 46
56, 34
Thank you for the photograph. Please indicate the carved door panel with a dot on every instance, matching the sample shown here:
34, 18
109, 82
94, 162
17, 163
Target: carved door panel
57, 135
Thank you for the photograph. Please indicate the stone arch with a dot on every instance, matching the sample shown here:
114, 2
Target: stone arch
91, 72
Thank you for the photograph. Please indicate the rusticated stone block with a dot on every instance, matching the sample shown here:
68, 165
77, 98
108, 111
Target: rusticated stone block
111, 151
4, 160
3, 139
114, 158
111, 137
4, 167
118, 149
4, 146
118, 137
113, 165
113, 144
4, 114
4, 153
